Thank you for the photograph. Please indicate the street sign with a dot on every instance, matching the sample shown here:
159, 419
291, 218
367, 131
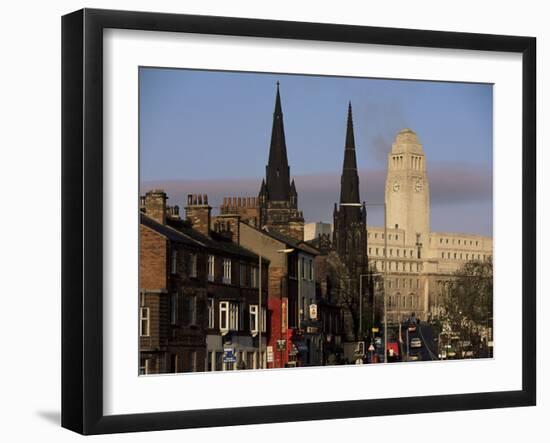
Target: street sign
229, 355
371, 348
375, 330
281, 345
313, 312
360, 349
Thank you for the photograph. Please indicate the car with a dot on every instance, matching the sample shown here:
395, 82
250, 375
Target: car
416, 343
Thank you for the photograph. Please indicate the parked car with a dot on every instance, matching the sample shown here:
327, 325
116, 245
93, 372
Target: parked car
416, 343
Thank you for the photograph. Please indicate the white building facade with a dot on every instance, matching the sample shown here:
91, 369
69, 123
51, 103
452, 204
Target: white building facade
415, 264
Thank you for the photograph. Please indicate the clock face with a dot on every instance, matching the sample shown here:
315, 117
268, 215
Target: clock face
418, 185
396, 186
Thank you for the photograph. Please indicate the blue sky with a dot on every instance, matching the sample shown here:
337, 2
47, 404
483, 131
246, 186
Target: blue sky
209, 131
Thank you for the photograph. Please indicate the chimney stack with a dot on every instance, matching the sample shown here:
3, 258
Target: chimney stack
198, 212
154, 205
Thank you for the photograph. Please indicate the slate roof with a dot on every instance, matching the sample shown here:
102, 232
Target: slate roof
187, 235
292, 242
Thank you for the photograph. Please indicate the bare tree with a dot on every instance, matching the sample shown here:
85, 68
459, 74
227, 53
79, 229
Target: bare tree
346, 291
468, 307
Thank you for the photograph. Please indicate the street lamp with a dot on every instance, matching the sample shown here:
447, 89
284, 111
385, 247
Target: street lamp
286, 252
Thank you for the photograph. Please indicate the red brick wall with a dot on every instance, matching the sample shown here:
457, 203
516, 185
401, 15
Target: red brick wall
153, 259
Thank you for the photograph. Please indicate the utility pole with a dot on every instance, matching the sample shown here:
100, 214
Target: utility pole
260, 316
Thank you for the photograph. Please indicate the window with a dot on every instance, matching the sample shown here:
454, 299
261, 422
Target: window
396, 237
389, 237
242, 268
375, 235
210, 268
254, 318
193, 264
190, 310
376, 251
224, 318
442, 255
391, 252
174, 260
144, 322
310, 269
227, 271
144, 364
193, 361
303, 265
255, 278
233, 316
229, 316
397, 250
173, 308
211, 313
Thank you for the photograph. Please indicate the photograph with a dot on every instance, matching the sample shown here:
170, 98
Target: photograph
298, 220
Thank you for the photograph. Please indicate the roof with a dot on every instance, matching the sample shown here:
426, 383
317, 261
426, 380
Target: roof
406, 141
187, 235
166, 231
292, 242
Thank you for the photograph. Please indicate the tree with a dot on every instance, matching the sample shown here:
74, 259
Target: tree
345, 287
346, 290
468, 308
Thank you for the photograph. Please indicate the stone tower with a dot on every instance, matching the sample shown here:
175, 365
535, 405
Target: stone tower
278, 198
350, 216
407, 190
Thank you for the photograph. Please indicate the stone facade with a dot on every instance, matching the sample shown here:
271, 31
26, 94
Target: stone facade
278, 197
418, 265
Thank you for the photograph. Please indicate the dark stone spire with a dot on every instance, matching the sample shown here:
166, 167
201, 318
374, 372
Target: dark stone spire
349, 183
277, 169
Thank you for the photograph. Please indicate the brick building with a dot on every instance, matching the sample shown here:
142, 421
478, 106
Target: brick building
172, 296
200, 292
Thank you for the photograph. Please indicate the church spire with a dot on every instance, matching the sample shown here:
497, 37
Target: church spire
277, 169
349, 183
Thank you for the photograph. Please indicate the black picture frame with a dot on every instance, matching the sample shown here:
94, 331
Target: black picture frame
82, 232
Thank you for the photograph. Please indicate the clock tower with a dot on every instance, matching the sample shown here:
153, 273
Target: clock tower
407, 190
